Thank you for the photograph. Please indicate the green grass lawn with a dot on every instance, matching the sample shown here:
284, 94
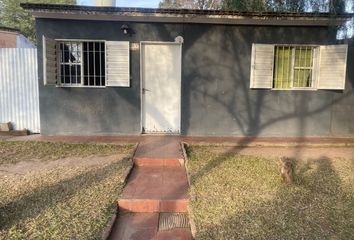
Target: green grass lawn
242, 197
65, 202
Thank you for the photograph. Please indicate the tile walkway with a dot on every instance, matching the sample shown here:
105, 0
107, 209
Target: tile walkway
158, 183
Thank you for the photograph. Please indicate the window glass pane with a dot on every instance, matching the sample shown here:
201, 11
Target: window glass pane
93, 63
70, 62
67, 80
67, 70
85, 61
97, 46
303, 57
302, 78
66, 56
66, 46
92, 80
90, 46
78, 76
73, 74
309, 58
103, 64
293, 66
75, 57
282, 68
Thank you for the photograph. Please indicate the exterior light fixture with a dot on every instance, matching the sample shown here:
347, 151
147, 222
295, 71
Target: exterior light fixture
125, 28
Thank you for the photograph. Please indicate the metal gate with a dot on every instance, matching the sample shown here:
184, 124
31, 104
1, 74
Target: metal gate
19, 102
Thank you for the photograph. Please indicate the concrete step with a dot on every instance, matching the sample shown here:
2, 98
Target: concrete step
155, 189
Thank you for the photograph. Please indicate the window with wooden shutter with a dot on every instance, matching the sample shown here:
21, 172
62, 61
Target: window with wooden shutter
294, 66
117, 64
298, 67
262, 64
332, 67
50, 69
82, 63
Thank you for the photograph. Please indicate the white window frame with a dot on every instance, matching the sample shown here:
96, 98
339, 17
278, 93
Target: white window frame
75, 85
314, 68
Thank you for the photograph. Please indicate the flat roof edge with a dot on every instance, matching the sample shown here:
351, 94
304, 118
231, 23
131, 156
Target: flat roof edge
182, 15
158, 18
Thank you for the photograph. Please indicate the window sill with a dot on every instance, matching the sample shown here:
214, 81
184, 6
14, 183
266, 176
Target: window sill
80, 86
294, 89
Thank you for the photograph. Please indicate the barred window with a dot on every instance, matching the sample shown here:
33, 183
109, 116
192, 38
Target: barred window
82, 63
293, 67
85, 63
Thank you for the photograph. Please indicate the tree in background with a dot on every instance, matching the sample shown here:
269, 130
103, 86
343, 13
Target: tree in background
331, 6
334, 6
12, 15
287, 5
191, 4
246, 6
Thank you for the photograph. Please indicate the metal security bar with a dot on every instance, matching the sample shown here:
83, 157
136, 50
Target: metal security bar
82, 63
293, 66
94, 63
70, 63
303, 66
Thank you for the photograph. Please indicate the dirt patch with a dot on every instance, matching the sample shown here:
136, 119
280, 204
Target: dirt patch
5, 137
25, 167
292, 152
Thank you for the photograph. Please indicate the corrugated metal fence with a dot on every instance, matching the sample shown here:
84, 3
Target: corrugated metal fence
19, 101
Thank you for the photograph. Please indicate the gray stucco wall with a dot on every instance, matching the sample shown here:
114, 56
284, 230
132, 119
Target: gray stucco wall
216, 98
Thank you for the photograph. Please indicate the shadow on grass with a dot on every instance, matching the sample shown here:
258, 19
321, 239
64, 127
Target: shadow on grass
314, 207
31, 205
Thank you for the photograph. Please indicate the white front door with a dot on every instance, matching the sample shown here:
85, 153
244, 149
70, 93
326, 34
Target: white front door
161, 87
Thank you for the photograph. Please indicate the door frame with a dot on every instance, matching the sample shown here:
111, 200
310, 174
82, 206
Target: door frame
142, 81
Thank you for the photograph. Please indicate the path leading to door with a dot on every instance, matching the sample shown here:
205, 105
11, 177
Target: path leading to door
153, 204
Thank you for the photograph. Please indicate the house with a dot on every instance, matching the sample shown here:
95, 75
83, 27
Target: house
109, 70
12, 38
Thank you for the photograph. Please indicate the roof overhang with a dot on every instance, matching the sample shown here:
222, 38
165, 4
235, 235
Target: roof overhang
9, 30
75, 12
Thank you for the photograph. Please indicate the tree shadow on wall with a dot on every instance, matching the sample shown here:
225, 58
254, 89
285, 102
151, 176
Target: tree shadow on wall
218, 99
216, 89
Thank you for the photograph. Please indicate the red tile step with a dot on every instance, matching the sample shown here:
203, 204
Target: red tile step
155, 189
164, 147
172, 162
